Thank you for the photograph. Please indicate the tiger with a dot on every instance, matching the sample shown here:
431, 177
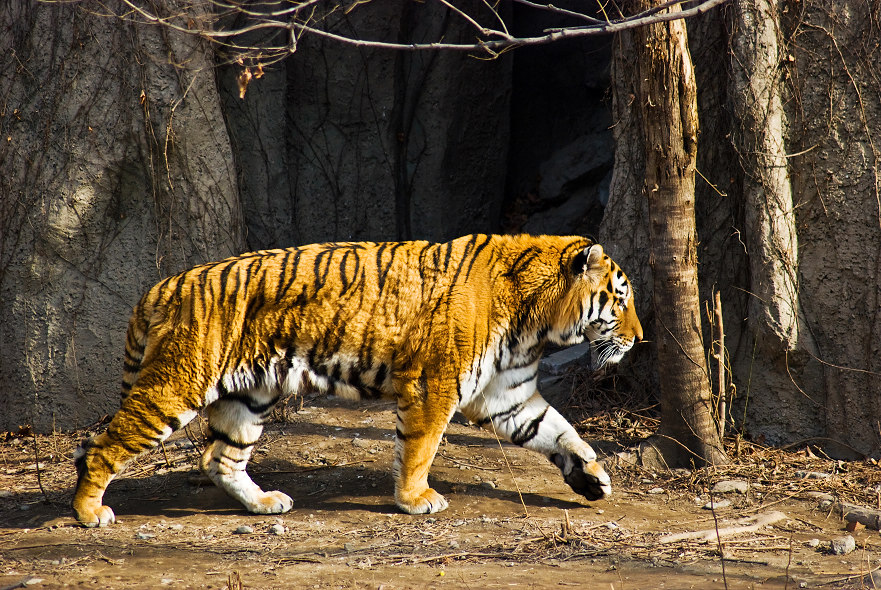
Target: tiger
438, 327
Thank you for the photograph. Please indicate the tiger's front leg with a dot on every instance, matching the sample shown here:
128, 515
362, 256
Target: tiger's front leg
423, 412
521, 415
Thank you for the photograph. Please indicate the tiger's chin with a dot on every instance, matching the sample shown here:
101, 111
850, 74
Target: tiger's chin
608, 352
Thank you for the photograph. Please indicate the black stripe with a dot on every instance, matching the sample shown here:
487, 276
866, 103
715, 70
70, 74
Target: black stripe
321, 275
476, 253
226, 439
253, 406
602, 299
290, 269
223, 280
515, 266
344, 279
449, 247
468, 247
381, 374
383, 273
522, 436
522, 381
503, 414
400, 435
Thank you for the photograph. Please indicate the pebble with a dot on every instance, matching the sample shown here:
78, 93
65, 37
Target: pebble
731, 485
277, 529
656, 491
360, 443
842, 545
814, 543
489, 485
144, 536
244, 530
32, 581
717, 504
611, 525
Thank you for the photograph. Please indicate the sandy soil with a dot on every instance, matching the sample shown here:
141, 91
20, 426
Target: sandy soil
334, 458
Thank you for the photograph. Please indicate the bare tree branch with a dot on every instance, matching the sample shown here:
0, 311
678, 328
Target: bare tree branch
224, 22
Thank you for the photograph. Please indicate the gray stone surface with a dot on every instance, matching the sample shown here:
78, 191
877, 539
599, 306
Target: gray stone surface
842, 545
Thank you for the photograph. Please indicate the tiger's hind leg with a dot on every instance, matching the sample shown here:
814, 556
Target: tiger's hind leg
418, 432
138, 426
236, 422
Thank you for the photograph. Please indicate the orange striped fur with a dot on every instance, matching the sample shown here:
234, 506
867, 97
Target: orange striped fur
438, 327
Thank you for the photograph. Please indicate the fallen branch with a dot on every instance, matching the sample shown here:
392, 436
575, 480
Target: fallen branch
745, 525
853, 513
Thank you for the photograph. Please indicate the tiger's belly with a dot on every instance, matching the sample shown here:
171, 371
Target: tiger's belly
341, 375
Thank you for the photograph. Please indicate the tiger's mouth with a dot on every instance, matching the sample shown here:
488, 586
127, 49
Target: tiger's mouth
609, 351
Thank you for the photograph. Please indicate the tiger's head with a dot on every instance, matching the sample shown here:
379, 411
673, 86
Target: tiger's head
598, 306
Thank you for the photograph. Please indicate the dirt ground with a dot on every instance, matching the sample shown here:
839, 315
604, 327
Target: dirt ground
512, 521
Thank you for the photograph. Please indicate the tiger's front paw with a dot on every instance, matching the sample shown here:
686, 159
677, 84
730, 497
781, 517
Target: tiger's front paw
271, 503
94, 516
587, 478
428, 502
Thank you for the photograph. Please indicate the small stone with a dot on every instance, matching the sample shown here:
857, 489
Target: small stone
244, 530
453, 544
176, 527
611, 525
656, 491
600, 511
32, 581
717, 504
853, 525
277, 529
842, 545
489, 485
360, 443
814, 543
731, 485
144, 536
349, 547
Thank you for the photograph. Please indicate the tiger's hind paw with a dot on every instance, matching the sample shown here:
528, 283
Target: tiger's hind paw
428, 502
100, 517
271, 503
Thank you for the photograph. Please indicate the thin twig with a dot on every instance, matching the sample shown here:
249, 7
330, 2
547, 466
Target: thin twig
718, 538
37, 465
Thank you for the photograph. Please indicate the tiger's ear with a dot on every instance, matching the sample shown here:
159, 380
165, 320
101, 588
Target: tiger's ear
587, 260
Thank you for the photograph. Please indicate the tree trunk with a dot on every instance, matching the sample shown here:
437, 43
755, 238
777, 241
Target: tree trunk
666, 93
769, 220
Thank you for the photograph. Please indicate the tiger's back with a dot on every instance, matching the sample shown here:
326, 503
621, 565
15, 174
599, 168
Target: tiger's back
436, 326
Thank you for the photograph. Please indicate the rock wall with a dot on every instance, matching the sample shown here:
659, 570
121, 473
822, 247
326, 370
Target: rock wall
115, 174
347, 143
